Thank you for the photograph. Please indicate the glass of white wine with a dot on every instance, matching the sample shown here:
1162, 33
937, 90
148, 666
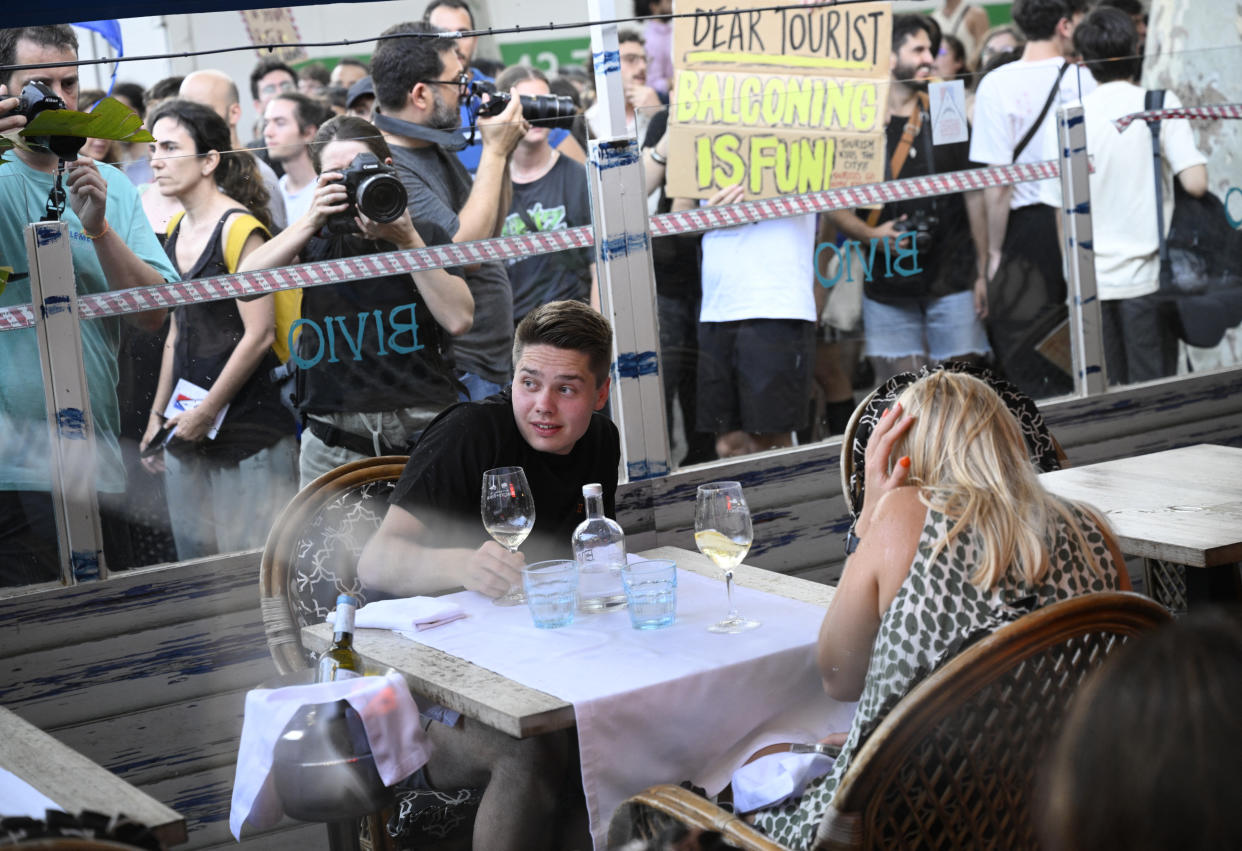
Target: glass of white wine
723, 533
508, 510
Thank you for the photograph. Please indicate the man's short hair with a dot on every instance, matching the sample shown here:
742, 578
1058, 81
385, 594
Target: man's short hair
52, 35
568, 325
450, 4
1038, 19
133, 93
399, 63
265, 67
315, 71
169, 87
624, 36
349, 60
1108, 43
1130, 7
905, 26
308, 112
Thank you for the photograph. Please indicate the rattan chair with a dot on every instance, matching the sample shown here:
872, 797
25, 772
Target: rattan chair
954, 764
1045, 452
312, 552
311, 556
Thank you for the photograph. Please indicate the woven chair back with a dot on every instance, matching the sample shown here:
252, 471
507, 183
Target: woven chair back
955, 763
312, 552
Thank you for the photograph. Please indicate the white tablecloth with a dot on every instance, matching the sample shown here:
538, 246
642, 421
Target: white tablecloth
19, 798
666, 705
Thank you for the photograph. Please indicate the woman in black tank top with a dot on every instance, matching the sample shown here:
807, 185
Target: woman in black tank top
223, 347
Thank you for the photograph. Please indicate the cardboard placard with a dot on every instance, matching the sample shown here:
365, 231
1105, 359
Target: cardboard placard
780, 100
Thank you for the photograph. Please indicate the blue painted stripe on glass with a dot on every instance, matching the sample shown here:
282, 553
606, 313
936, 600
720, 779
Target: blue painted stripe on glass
54, 304
639, 470
613, 156
85, 564
623, 244
46, 234
1081, 210
634, 364
1074, 121
72, 423
607, 61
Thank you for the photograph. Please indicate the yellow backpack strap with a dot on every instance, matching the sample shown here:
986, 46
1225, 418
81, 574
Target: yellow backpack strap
288, 303
173, 222
239, 231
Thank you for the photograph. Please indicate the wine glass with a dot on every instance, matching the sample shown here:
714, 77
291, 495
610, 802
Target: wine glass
723, 533
508, 510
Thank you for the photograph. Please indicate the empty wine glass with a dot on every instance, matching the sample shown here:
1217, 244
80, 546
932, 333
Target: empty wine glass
508, 510
723, 533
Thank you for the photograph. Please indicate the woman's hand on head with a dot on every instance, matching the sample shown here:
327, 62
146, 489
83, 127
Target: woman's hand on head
878, 478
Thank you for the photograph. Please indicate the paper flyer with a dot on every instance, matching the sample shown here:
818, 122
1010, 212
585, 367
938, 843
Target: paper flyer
186, 396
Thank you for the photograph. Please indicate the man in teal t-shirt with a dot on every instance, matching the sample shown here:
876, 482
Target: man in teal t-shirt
113, 248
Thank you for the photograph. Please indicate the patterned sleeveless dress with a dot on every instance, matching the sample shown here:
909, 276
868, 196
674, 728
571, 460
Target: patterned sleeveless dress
936, 613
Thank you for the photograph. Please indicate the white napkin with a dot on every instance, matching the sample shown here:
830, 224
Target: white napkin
388, 713
409, 613
776, 777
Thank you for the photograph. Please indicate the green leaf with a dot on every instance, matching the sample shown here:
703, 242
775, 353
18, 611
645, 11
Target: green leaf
110, 119
5, 271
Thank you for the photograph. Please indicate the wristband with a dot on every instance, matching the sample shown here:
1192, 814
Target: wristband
657, 158
95, 236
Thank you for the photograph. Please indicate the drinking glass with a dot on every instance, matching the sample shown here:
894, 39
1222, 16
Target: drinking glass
723, 533
508, 510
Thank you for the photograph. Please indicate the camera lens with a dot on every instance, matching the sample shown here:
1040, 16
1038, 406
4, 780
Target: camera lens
381, 198
549, 110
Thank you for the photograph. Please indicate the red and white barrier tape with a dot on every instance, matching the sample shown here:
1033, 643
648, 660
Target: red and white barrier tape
1228, 110
164, 296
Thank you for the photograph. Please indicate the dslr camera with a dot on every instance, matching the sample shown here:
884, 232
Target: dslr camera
923, 223
546, 110
372, 189
35, 98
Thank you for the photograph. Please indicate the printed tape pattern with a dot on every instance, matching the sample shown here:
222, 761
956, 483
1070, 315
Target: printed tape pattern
525, 245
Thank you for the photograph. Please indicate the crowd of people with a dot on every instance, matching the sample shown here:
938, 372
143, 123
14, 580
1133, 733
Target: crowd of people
349, 370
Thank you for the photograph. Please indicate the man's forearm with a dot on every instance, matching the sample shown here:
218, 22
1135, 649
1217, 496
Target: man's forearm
405, 568
996, 204
124, 270
481, 216
977, 215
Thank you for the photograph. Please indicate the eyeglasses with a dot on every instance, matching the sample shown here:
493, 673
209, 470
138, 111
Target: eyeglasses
277, 88
461, 81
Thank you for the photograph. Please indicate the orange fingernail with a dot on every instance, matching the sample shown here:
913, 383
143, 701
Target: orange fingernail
905, 461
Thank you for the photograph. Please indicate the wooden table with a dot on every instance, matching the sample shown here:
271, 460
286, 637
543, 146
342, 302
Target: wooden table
508, 706
1178, 507
76, 783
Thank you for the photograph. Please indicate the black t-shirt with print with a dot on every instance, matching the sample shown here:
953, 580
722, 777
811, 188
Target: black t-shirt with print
556, 201
442, 482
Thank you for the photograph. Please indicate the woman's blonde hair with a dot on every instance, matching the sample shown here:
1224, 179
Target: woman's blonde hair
969, 461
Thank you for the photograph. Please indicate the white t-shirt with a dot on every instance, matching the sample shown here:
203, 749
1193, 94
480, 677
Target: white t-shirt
760, 271
1006, 105
296, 203
1123, 193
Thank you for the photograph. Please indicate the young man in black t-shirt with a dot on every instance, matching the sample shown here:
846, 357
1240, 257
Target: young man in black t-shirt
432, 538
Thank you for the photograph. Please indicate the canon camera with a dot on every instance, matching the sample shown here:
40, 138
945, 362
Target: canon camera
372, 189
546, 110
36, 98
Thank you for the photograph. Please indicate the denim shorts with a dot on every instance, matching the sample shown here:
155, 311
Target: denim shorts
938, 328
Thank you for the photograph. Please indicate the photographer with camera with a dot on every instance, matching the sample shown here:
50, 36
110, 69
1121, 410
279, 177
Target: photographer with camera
924, 303
419, 83
372, 355
113, 248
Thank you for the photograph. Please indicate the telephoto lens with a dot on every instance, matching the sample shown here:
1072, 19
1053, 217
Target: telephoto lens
546, 110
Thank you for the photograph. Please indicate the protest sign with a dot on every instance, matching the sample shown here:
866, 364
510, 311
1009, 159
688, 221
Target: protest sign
780, 100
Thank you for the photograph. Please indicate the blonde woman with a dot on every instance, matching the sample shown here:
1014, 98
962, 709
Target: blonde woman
957, 537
